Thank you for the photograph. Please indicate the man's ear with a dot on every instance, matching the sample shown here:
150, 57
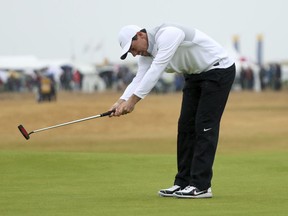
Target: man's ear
141, 34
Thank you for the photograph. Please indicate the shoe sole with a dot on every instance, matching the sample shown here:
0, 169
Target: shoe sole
165, 195
201, 196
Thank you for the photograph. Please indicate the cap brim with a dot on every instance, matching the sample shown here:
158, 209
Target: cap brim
124, 56
125, 50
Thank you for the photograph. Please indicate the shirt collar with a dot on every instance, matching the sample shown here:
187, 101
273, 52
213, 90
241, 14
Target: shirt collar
151, 43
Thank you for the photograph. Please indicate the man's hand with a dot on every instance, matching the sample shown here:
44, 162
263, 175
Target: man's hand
115, 106
126, 106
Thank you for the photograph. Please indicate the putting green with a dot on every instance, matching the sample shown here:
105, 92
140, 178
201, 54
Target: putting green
42, 183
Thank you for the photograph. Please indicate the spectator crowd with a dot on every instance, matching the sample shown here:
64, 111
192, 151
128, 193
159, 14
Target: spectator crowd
269, 77
117, 77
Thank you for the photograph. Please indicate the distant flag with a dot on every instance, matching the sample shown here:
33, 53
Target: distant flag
98, 46
236, 43
86, 48
260, 49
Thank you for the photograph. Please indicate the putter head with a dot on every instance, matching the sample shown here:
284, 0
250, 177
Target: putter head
23, 132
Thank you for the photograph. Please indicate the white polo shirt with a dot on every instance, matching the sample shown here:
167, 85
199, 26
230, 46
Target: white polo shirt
175, 49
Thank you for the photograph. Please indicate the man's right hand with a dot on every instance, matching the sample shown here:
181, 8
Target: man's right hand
115, 106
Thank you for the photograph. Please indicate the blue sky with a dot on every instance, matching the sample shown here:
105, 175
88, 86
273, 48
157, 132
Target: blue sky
88, 29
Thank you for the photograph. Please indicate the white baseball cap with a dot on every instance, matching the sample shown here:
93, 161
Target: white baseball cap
125, 38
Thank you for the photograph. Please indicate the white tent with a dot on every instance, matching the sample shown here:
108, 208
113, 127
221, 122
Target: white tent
3, 76
91, 79
24, 63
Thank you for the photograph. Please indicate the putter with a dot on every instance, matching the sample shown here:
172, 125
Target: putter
27, 135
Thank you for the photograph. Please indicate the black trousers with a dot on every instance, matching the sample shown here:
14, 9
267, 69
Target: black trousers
204, 99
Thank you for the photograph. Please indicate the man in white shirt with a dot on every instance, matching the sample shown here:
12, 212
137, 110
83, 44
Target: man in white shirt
209, 74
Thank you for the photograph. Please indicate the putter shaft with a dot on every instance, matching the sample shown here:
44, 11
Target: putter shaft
27, 135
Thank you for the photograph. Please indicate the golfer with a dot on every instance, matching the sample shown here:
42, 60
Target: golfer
209, 74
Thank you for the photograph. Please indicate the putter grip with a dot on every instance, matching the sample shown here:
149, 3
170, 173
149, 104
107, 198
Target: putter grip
107, 113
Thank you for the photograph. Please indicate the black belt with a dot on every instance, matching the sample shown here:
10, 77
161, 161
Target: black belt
193, 75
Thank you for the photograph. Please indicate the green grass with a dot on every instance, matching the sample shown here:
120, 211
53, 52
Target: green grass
73, 183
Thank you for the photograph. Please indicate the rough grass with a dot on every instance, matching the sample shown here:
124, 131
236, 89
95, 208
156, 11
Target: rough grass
251, 122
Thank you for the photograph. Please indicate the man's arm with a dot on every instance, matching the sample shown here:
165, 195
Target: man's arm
167, 42
143, 66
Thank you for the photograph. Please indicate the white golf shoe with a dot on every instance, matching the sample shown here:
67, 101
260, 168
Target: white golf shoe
169, 192
193, 192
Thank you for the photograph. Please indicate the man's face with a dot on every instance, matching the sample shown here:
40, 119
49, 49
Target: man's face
140, 45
